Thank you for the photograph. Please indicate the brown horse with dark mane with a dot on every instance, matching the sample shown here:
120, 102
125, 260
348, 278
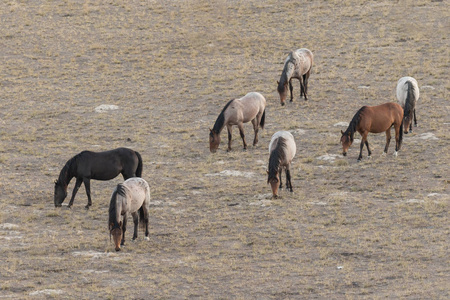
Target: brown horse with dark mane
374, 119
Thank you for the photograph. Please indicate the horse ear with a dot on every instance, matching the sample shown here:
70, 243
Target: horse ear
56, 181
342, 132
267, 171
278, 82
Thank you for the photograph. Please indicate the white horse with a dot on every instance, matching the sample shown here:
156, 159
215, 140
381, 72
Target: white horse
251, 107
282, 150
298, 65
407, 96
131, 196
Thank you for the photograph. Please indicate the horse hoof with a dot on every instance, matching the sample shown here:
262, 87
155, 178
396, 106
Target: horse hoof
358, 160
117, 249
395, 153
86, 207
147, 238
369, 157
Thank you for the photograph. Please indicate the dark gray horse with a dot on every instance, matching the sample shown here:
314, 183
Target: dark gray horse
89, 165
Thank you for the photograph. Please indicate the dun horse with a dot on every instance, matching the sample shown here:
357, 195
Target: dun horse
89, 165
374, 119
131, 196
282, 150
251, 107
298, 65
407, 96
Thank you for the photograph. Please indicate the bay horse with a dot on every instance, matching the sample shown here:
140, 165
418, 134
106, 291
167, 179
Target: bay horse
282, 150
298, 65
374, 119
88, 165
407, 96
251, 107
131, 196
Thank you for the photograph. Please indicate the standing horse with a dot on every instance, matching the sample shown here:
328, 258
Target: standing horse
407, 96
282, 150
251, 107
89, 165
298, 65
374, 119
131, 196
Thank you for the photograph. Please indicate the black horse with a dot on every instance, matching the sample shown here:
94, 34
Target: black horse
89, 165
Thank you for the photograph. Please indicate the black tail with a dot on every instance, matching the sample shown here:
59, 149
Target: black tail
142, 216
140, 165
263, 119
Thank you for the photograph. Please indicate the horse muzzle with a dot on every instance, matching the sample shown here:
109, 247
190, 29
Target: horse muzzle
344, 153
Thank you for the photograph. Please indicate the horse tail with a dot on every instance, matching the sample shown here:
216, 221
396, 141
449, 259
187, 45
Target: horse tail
140, 165
142, 218
263, 119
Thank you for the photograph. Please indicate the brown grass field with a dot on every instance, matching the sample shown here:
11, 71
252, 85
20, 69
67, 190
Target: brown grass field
369, 230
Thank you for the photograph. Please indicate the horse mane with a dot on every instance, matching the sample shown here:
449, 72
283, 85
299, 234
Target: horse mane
66, 172
119, 190
218, 125
276, 156
354, 123
410, 101
288, 69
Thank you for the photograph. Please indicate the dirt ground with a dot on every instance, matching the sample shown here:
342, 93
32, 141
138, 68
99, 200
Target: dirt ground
368, 230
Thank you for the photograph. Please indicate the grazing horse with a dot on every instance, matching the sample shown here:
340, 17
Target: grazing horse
131, 196
374, 119
282, 150
407, 96
251, 107
89, 165
298, 65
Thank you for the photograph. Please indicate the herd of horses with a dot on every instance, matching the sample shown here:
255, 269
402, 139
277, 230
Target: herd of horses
133, 195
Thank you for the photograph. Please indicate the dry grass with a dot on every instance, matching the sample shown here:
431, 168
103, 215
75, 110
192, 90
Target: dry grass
373, 229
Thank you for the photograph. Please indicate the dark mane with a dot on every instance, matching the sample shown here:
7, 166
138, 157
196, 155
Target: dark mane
218, 125
283, 79
276, 156
354, 123
119, 190
68, 170
410, 101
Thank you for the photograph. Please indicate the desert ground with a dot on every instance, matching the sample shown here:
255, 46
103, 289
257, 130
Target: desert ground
153, 76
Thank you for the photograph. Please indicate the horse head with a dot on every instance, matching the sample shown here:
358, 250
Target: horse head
407, 119
282, 90
346, 141
60, 193
116, 232
214, 141
274, 181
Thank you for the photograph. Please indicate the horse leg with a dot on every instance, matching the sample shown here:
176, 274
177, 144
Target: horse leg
135, 221
280, 172
398, 133
87, 186
229, 130
255, 129
368, 149
415, 119
306, 79
361, 146
302, 88
241, 131
124, 228
288, 179
291, 88
75, 190
388, 140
